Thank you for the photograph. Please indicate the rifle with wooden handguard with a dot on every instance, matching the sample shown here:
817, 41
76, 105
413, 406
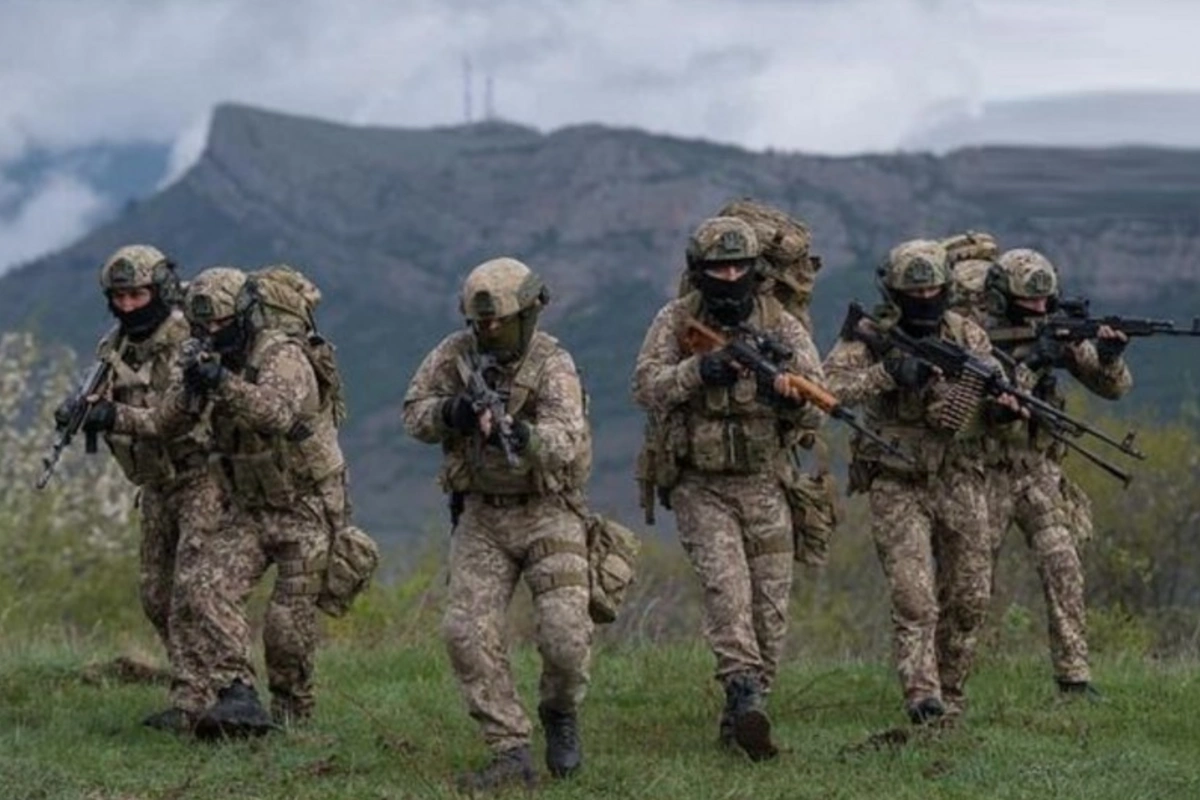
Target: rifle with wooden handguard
761, 355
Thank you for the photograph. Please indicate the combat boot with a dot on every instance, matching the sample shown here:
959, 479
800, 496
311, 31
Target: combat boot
927, 711
751, 725
237, 713
507, 768
725, 724
172, 720
1084, 689
564, 754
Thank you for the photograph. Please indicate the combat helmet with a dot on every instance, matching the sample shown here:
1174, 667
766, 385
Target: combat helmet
721, 240
213, 295
912, 266
137, 265
1023, 273
507, 291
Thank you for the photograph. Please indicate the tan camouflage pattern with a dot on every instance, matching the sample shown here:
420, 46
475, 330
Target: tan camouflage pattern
736, 529
737, 533
1026, 488
498, 288
1028, 274
916, 264
489, 554
560, 433
516, 522
723, 239
131, 266
213, 294
929, 520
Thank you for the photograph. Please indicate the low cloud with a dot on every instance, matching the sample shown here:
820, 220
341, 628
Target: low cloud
58, 209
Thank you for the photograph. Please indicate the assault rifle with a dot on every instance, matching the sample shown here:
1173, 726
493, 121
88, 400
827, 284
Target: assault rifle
483, 397
78, 406
193, 351
1073, 323
762, 355
977, 379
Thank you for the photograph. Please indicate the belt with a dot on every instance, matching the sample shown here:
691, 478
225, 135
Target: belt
505, 500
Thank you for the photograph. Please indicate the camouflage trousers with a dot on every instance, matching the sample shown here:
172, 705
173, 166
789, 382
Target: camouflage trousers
1030, 494
737, 532
932, 541
173, 521
492, 547
220, 574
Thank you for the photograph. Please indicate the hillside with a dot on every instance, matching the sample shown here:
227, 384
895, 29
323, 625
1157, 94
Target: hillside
389, 220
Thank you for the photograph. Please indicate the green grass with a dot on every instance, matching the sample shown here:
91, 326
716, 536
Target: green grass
390, 724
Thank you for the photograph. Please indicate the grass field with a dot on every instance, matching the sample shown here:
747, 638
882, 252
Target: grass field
390, 724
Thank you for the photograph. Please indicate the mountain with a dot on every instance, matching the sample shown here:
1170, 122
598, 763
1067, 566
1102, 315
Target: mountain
388, 221
1093, 119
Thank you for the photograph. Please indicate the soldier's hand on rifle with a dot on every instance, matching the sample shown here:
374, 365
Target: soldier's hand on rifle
203, 375
1012, 405
1110, 344
63, 413
717, 369
908, 371
522, 432
101, 417
459, 414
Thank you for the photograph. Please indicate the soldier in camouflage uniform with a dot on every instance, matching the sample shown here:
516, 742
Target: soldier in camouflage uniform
512, 519
929, 516
177, 501
276, 454
725, 443
1026, 482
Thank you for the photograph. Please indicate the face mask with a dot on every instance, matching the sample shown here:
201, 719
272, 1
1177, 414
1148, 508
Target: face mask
1020, 315
231, 343
141, 322
729, 302
503, 341
921, 316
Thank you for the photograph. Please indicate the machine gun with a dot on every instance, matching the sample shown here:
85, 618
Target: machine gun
976, 379
78, 407
474, 371
762, 355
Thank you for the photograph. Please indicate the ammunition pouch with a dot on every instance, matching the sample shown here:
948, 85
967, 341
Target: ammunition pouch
612, 551
353, 559
812, 498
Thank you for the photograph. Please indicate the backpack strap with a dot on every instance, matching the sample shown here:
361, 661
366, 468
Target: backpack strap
529, 374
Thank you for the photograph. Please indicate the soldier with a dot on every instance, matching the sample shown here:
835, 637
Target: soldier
513, 516
929, 515
1026, 482
728, 437
177, 500
275, 452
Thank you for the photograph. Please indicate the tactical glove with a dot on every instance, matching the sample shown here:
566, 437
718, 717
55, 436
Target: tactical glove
521, 433
203, 375
62, 414
907, 371
458, 414
101, 417
716, 370
1110, 349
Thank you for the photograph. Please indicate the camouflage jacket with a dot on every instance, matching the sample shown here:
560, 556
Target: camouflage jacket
542, 389
735, 429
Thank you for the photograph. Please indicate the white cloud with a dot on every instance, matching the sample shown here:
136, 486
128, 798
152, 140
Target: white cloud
57, 210
834, 76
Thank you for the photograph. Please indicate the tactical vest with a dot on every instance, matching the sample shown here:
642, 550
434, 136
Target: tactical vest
910, 417
726, 429
141, 374
472, 468
276, 470
1017, 441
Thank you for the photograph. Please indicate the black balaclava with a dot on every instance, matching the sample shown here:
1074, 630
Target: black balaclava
140, 323
232, 342
1019, 315
921, 316
729, 302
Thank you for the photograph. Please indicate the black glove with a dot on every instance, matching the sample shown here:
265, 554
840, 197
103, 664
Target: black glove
521, 433
1110, 349
101, 417
458, 414
716, 370
907, 371
62, 414
203, 375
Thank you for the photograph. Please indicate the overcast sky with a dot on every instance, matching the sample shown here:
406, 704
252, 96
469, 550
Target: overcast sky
832, 76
